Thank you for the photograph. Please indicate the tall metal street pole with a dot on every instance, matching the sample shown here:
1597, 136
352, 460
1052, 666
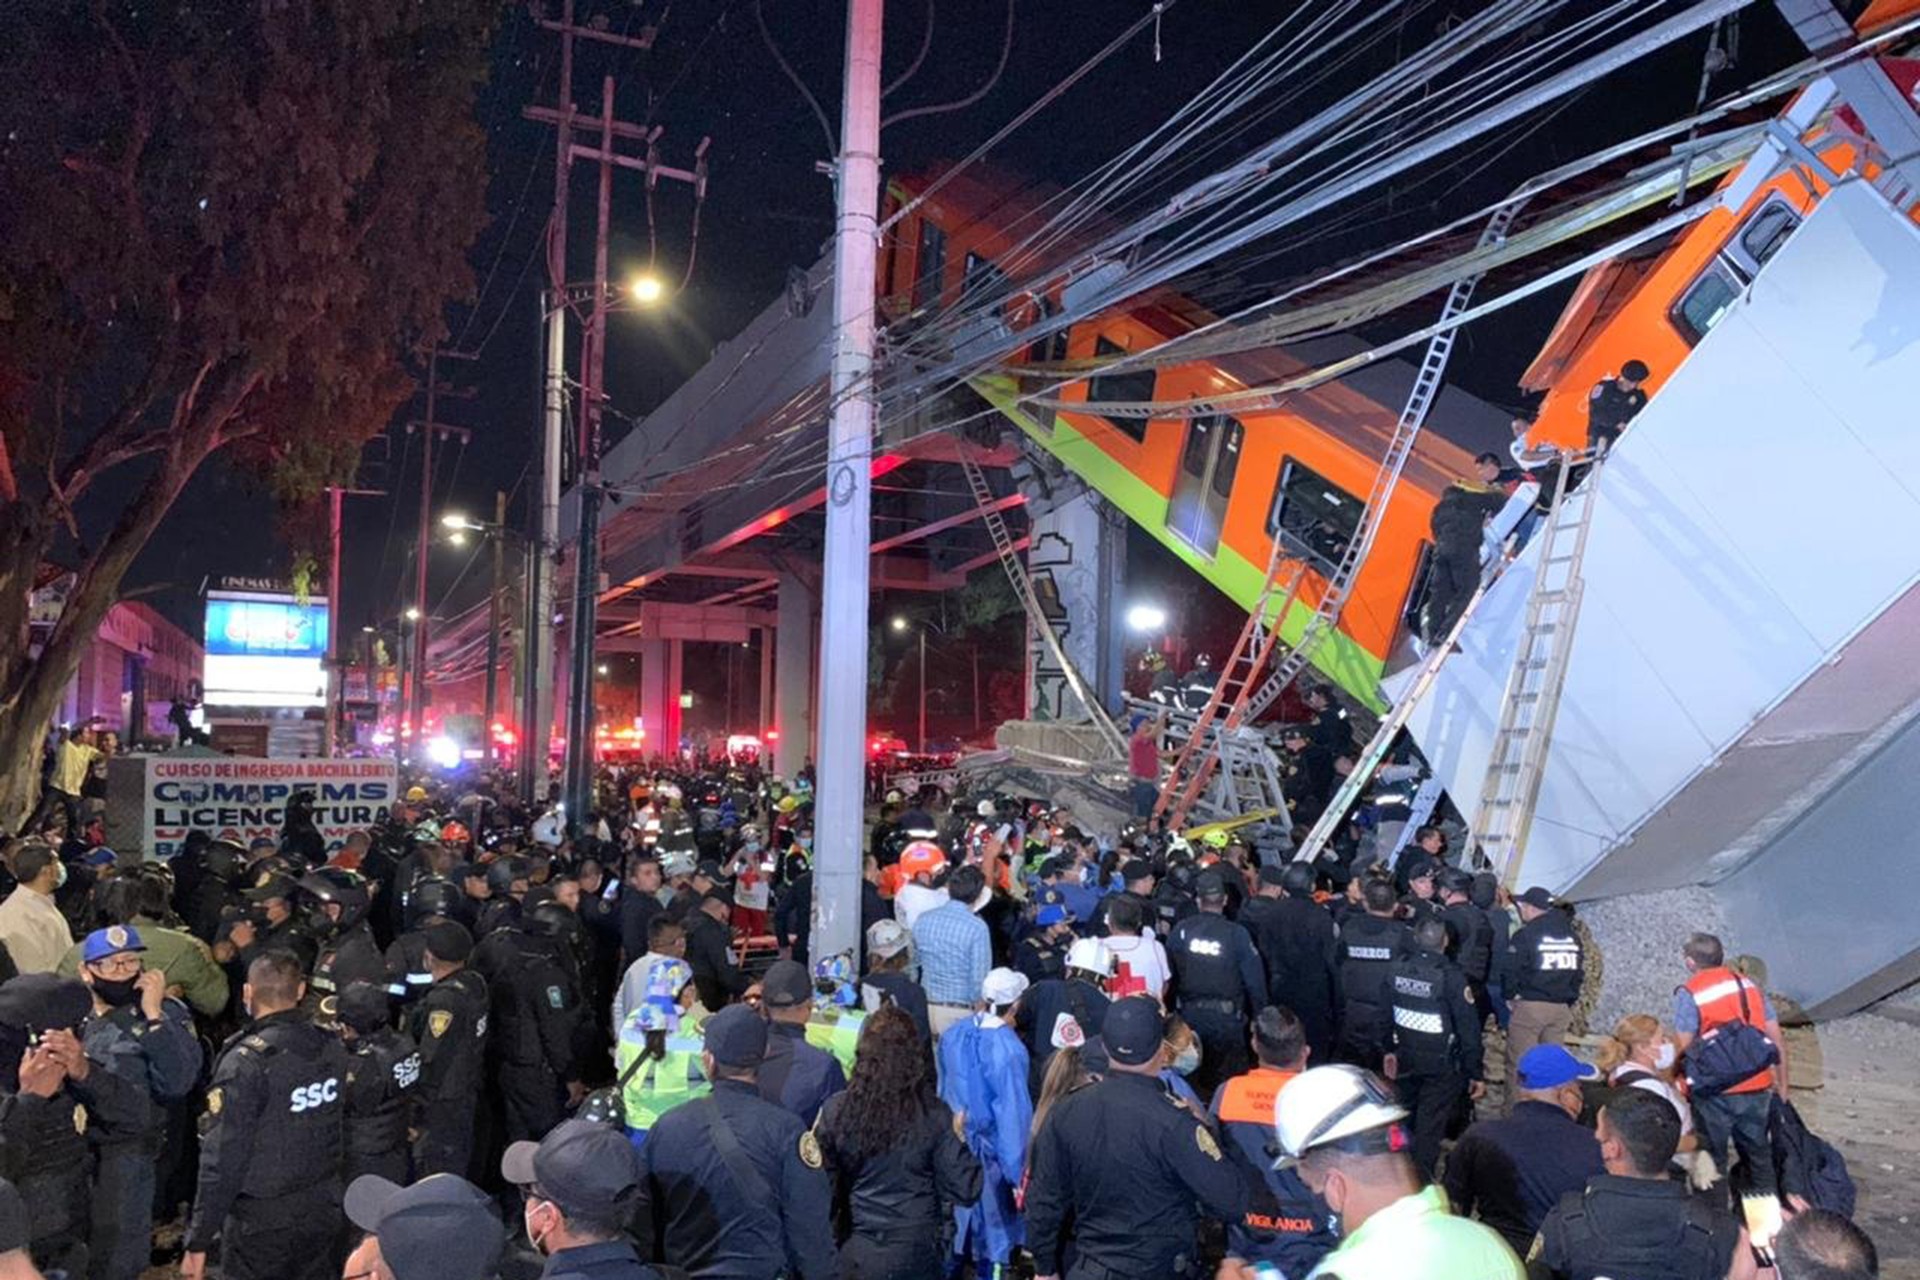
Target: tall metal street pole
841, 791
495, 617
536, 727
336, 669
417, 701
922, 741
586, 568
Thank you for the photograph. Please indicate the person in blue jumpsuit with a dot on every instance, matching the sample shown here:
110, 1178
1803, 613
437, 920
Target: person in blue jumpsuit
983, 1077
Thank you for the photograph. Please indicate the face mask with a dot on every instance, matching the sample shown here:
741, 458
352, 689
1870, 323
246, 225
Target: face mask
533, 1237
117, 992
1664, 1056
1187, 1061
60, 875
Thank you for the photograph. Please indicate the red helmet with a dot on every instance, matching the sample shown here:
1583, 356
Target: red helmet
455, 833
922, 858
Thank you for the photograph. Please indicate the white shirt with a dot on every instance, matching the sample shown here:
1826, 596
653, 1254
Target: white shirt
1139, 967
35, 932
1660, 1089
914, 900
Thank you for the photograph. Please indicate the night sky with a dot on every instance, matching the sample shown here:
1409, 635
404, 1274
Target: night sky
709, 73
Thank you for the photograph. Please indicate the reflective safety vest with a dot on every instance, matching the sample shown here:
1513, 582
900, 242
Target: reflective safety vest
663, 1083
1718, 993
838, 1032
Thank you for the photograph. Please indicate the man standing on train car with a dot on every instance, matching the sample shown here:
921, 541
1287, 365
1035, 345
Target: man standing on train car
1613, 402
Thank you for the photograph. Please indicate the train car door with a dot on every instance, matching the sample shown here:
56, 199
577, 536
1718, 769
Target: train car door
1209, 461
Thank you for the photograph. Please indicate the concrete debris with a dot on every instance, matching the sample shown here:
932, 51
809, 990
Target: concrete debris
1639, 937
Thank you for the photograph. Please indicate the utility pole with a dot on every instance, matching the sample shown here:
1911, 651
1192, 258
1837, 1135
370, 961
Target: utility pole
496, 609
841, 793
559, 298
417, 699
922, 740
336, 653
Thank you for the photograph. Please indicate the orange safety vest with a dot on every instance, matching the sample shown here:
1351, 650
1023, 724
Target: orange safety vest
1249, 1099
1717, 994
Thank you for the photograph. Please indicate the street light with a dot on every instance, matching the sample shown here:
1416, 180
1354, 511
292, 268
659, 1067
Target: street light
413, 614
899, 623
1146, 617
646, 290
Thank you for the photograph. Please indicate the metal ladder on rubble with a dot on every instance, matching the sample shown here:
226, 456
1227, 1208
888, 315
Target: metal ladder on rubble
1518, 760
1217, 740
985, 500
1200, 756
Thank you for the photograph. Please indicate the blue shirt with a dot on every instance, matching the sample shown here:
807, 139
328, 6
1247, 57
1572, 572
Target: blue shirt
797, 1075
1514, 1170
956, 952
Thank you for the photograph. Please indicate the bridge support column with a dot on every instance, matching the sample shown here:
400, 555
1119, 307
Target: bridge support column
1077, 558
660, 694
793, 676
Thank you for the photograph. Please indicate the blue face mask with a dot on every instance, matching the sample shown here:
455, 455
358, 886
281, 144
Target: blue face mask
1187, 1061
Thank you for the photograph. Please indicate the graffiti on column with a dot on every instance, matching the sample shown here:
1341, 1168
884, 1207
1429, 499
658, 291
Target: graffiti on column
1058, 579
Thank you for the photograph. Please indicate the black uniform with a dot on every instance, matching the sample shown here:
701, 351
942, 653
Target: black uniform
1306, 779
1116, 1171
1641, 1227
710, 955
383, 1075
1296, 938
450, 1026
270, 1153
733, 1186
289, 935
1040, 957
532, 1038
1219, 984
1458, 523
1370, 946
1436, 1045
1038, 1016
1330, 729
897, 1202
350, 956
1609, 410
1471, 938
406, 961
1543, 961
43, 1152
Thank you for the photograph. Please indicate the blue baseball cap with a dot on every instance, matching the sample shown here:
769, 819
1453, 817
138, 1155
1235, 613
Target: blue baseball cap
111, 941
1053, 908
1548, 1066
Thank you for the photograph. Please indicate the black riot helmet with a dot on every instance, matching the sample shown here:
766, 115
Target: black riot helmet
225, 861
550, 919
432, 896
502, 872
337, 885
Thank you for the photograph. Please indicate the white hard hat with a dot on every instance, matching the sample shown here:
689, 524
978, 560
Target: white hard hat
1090, 955
1325, 1104
985, 809
1003, 986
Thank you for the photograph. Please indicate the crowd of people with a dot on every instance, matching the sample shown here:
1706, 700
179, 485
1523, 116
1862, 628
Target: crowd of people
468, 1043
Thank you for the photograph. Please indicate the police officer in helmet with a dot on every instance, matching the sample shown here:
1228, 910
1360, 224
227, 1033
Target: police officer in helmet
534, 994
1219, 981
450, 1026
1435, 1056
382, 1080
338, 917
271, 1141
434, 899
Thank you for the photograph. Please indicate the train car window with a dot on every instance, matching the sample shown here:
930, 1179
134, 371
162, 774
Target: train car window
1314, 517
1705, 301
1229, 460
1763, 235
1417, 593
1111, 388
1193, 457
1052, 346
930, 263
984, 280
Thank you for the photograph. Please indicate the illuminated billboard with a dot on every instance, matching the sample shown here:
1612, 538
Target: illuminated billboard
265, 650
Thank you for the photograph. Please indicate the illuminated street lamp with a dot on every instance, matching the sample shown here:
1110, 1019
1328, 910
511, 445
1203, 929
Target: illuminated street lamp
646, 290
1146, 617
899, 623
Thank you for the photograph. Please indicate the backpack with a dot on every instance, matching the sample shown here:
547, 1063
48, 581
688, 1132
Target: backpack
1729, 1055
1807, 1164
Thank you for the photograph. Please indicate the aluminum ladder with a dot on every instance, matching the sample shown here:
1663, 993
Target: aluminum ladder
1218, 739
1383, 738
1518, 760
984, 499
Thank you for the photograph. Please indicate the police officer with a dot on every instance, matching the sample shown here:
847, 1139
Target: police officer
275, 926
1469, 932
1042, 954
796, 1073
271, 1141
1435, 1058
1371, 941
1218, 980
450, 1026
338, 919
1540, 975
506, 885
1330, 728
1422, 901
1306, 774
535, 1006
141, 1035
733, 1185
1118, 1166
581, 1183
50, 1095
1296, 938
383, 1077
1614, 402
434, 899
